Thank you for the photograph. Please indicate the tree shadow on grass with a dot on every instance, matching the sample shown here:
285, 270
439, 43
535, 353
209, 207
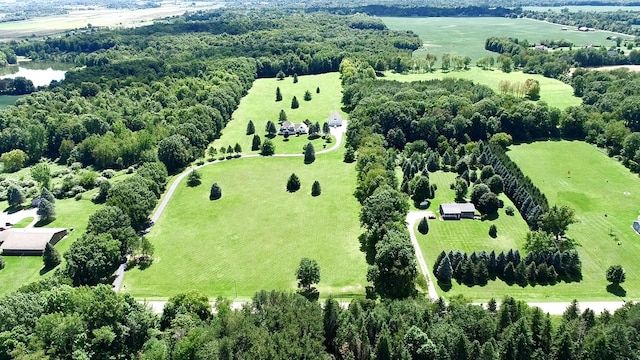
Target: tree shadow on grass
43, 222
490, 217
45, 270
444, 286
616, 290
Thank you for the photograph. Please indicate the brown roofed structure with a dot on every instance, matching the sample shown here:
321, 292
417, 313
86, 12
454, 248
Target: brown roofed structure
30, 241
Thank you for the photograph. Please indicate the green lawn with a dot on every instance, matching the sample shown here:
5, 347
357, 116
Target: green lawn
255, 236
21, 270
466, 36
552, 91
23, 223
605, 196
6, 100
259, 105
468, 235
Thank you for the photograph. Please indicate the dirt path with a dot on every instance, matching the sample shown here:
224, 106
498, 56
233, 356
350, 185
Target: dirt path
411, 219
337, 132
157, 306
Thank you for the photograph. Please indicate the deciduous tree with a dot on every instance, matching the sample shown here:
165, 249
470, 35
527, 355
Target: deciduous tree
42, 174
92, 259
13, 160
308, 273
616, 274
557, 219
15, 196
51, 257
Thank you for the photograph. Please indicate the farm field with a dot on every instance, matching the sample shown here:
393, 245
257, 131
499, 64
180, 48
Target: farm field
80, 18
552, 91
466, 36
586, 8
259, 105
254, 236
22, 270
6, 100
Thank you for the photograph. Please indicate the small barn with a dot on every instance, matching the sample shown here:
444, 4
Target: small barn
303, 129
30, 241
457, 211
335, 119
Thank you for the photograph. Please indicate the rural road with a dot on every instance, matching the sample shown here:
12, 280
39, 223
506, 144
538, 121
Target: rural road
157, 306
553, 308
337, 132
15, 217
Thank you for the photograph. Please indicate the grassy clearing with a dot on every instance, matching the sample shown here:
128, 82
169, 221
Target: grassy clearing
469, 235
605, 196
23, 223
552, 91
466, 36
260, 106
6, 100
25, 269
254, 237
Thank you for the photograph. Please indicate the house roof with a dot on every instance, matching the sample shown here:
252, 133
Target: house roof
27, 239
457, 208
288, 124
303, 125
335, 116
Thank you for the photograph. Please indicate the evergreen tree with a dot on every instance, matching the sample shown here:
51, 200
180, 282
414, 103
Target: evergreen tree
318, 90
307, 95
2, 263
383, 347
293, 184
326, 129
294, 103
509, 273
480, 273
51, 257
15, 196
278, 94
267, 148
229, 150
315, 189
251, 129
280, 75
309, 154
542, 273
349, 155
444, 272
282, 117
531, 273
295, 78
437, 262
46, 211
46, 194
493, 230
423, 226
255, 143
488, 351
216, 192
331, 313
492, 305
521, 273
553, 275
237, 148
468, 276
563, 349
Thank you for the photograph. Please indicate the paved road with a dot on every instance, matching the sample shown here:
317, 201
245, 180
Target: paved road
15, 217
157, 306
337, 132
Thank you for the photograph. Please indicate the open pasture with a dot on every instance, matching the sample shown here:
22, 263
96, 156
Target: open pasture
254, 236
467, 36
260, 106
6, 100
552, 91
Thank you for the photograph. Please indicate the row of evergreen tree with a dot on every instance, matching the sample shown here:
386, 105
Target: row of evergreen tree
479, 268
528, 198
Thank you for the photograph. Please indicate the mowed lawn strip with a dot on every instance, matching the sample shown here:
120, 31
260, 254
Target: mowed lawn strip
468, 236
254, 237
606, 198
70, 213
554, 92
260, 106
466, 36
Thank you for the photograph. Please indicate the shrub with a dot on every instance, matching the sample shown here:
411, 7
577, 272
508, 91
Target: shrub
315, 189
509, 210
88, 179
349, 155
193, 179
216, 192
108, 173
2, 263
307, 95
423, 226
78, 197
293, 184
493, 231
131, 169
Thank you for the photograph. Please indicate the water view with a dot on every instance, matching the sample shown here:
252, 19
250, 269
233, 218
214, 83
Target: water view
39, 77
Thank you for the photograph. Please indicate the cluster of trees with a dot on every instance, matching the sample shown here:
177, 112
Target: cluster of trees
621, 21
419, 9
529, 200
538, 267
17, 86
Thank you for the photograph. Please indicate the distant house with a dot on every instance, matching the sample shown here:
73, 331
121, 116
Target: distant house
303, 128
564, 28
35, 202
288, 128
335, 119
30, 241
583, 28
457, 211
540, 48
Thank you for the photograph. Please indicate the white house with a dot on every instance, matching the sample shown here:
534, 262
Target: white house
303, 128
335, 119
287, 127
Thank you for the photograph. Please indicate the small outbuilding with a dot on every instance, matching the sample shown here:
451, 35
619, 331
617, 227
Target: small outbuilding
457, 211
303, 129
288, 128
335, 119
30, 241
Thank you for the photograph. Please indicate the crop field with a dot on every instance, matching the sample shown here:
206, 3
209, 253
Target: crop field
552, 91
21, 270
259, 106
466, 36
254, 236
81, 17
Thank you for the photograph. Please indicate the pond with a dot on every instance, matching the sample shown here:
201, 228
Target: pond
41, 74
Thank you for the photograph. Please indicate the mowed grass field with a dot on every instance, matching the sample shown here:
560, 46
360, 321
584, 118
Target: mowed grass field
606, 198
260, 106
466, 36
6, 100
254, 237
469, 235
552, 91
21, 270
